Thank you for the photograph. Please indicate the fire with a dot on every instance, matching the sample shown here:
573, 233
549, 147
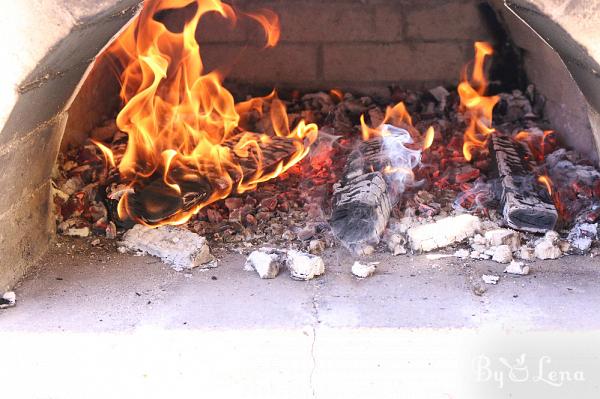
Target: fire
429, 136
540, 143
397, 115
183, 126
474, 101
545, 180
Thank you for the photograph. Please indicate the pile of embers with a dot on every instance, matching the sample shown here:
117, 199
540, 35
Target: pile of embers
450, 200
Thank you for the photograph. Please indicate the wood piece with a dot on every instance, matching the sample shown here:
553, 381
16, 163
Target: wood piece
361, 210
361, 199
153, 201
525, 203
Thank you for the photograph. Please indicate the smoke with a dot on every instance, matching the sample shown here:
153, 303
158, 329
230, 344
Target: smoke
402, 160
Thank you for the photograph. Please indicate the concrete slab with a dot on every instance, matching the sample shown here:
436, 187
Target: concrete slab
90, 322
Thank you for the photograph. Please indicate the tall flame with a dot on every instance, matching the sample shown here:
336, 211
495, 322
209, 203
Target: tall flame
473, 100
182, 124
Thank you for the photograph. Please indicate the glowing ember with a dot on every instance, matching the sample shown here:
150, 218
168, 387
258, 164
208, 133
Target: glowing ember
545, 180
474, 101
183, 125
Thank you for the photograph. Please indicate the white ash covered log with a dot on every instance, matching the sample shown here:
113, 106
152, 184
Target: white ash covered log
361, 210
525, 203
374, 177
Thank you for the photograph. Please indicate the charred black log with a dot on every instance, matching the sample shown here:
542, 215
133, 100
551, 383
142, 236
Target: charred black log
525, 203
154, 201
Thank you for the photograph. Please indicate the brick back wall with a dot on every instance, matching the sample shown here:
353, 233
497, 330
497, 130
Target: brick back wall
364, 45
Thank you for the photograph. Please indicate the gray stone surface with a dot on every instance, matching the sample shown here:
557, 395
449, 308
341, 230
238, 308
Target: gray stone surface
89, 322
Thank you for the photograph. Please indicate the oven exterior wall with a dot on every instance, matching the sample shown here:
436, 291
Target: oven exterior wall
569, 77
47, 47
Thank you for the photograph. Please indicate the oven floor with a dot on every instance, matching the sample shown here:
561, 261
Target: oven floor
90, 320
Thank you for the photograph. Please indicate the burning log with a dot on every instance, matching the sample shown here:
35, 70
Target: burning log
361, 203
374, 176
154, 201
525, 204
361, 210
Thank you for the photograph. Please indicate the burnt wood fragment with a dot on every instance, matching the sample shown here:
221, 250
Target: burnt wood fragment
525, 203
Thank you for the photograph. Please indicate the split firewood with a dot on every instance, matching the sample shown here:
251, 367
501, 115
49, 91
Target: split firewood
525, 203
361, 201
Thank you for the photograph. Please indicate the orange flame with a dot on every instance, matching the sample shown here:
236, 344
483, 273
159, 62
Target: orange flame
474, 101
397, 115
429, 136
108, 155
179, 118
545, 180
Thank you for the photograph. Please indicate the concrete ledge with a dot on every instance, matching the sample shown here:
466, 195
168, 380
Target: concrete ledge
91, 322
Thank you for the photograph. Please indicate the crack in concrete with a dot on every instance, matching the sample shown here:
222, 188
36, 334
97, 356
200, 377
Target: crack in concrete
315, 313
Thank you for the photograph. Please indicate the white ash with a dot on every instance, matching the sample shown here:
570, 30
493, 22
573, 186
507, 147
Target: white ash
582, 235
8, 299
552, 236
508, 237
446, 231
316, 247
395, 243
77, 232
364, 270
502, 254
364, 250
526, 253
546, 249
303, 266
517, 268
565, 246
462, 253
266, 262
401, 226
490, 279
177, 247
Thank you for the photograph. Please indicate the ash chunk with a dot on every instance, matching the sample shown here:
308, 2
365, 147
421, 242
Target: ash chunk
266, 262
443, 232
502, 254
304, 266
518, 268
508, 237
179, 248
582, 235
490, 279
362, 270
